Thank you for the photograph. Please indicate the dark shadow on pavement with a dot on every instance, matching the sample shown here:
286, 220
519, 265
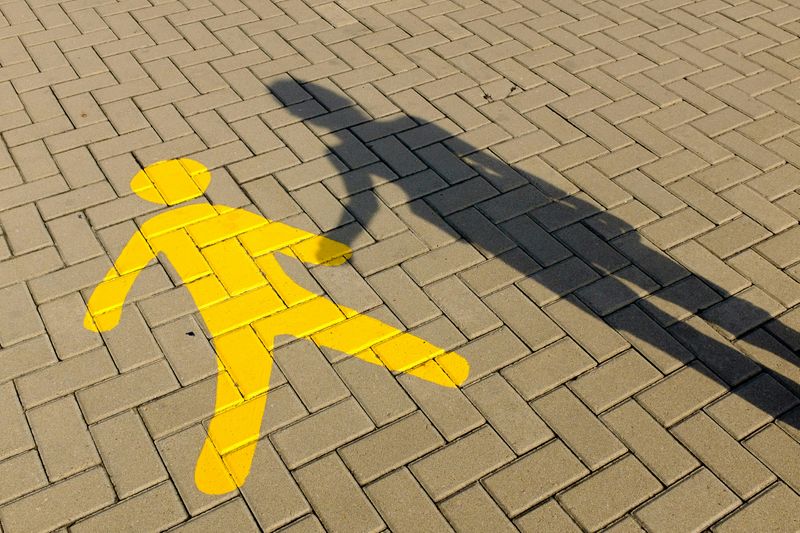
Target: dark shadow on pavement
553, 239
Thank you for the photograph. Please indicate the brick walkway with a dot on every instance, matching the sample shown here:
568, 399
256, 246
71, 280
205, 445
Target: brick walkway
594, 203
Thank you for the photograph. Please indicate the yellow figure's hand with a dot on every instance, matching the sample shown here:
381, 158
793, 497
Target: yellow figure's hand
105, 304
320, 250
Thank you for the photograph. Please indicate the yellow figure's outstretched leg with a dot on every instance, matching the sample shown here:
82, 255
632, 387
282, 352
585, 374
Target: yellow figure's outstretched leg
396, 350
249, 363
248, 358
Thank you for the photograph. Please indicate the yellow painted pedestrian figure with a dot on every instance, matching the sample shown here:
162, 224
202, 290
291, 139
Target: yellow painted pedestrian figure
226, 259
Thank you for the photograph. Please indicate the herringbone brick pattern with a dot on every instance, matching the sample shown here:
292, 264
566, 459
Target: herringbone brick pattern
596, 203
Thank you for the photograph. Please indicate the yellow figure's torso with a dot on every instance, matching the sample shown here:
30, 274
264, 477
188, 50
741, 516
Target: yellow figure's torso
225, 257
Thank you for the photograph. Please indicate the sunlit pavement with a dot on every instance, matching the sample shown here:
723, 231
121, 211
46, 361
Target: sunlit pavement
364, 266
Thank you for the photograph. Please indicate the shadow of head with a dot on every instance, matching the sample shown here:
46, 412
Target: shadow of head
551, 239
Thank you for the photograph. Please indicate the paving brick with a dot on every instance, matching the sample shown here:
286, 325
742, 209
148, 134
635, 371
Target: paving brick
709, 268
765, 350
62, 438
19, 319
310, 375
447, 408
349, 510
759, 208
508, 414
534, 477
473, 510
390, 447
380, 221
74, 239
461, 462
184, 407
25, 357
650, 339
751, 406
650, 442
424, 222
587, 437
770, 445
479, 230
231, 514
67, 280
270, 492
547, 517
733, 236
24, 229
626, 525
558, 280
321, 433
131, 344
616, 290
586, 328
548, 368
593, 250
128, 453
127, 390
770, 279
614, 381
498, 272
156, 509
65, 377
676, 228
376, 390
695, 503
179, 453
403, 503
463, 308
537, 242
714, 350
438, 263
17, 436
406, 300
64, 321
745, 311
387, 253
609, 493
780, 248
63, 502
776, 508
723, 455
681, 393
524, 318
22, 474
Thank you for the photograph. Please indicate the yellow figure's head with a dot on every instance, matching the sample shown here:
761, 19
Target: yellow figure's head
171, 182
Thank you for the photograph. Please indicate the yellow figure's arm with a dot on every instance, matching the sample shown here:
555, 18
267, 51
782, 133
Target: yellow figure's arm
320, 250
105, 305
292, 241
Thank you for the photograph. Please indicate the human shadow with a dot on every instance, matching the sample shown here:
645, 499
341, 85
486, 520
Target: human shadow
554, 239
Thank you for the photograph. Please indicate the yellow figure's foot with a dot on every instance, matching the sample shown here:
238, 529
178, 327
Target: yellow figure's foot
210, 474
232, 433
449, 370
456, 367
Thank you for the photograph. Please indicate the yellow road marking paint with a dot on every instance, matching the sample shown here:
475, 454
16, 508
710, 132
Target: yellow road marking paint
245, 303
235, 269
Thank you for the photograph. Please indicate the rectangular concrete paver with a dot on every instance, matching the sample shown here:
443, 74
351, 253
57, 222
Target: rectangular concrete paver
534, 477
59, 504
692, 504
336, 498
610, 493
461, 462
